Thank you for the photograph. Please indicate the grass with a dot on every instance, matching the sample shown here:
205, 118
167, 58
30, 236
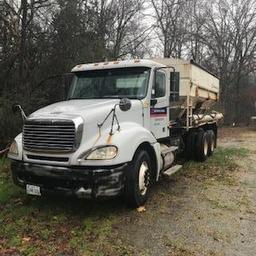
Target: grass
223, 157
55, 226
180, 246
220, 167
45, 227
7, 191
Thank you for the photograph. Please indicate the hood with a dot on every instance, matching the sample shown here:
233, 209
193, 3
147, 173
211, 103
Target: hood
74, 108
91, 111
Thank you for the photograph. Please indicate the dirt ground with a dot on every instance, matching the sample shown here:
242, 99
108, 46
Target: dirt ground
200, 215
205, 209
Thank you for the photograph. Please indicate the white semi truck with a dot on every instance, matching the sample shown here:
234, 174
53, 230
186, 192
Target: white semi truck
123, 125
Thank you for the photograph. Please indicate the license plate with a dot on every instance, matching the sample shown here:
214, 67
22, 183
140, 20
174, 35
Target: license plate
33, 190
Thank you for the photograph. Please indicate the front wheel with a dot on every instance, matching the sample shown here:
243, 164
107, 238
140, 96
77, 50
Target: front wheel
139, 179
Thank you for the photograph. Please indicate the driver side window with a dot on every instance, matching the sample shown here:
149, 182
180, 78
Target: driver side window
160, 85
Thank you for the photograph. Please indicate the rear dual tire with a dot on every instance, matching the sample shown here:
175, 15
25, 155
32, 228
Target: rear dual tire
204, 144
211, 141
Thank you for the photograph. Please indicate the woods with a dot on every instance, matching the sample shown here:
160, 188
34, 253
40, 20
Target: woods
46, 38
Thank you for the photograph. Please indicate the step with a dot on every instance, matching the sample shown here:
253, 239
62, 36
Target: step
172, 170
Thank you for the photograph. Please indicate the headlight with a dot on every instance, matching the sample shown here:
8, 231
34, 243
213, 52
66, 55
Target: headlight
102, 153
14, 149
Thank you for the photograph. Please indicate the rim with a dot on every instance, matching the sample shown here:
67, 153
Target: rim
212, 145
205, 147
143, 178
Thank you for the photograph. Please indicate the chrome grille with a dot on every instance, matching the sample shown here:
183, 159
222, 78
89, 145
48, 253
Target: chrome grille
53, 135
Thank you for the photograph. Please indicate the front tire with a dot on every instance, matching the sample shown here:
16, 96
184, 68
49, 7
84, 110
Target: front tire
139, 179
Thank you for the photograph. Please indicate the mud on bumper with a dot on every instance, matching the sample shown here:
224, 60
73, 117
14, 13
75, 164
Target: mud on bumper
91, 182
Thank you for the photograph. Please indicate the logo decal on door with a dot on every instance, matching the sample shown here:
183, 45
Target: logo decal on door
158, 112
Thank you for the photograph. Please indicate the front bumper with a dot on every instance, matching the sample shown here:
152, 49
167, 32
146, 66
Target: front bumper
85, 182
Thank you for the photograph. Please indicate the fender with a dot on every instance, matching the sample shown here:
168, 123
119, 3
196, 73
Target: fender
127, 140
131, 138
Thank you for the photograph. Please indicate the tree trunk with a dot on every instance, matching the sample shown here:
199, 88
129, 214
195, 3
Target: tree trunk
23, 38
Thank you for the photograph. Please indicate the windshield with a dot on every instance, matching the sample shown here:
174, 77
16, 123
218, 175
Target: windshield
111, 83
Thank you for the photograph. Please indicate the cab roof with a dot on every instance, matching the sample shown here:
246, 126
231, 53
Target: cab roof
114, 64
157, 62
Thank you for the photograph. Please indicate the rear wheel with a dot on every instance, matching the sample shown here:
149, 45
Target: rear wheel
202, 145
211, 142
190, 145
139, 179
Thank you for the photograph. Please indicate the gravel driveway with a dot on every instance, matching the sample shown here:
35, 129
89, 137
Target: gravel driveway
201, 213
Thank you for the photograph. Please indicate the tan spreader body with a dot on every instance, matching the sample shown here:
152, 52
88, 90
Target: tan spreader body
198, 91
195, 81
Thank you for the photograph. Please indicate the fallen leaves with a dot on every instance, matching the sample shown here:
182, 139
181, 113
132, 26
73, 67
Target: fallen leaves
141, 209
25, 239
9, 252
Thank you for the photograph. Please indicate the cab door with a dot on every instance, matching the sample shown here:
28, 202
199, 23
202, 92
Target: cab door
159, 108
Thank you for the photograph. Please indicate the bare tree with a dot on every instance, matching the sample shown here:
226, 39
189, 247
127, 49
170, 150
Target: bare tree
195, 48
171, 25
126, 33
230, 39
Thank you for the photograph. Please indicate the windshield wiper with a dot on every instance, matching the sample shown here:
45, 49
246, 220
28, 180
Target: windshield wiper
92, 98
120, 97
107, 97
111, 97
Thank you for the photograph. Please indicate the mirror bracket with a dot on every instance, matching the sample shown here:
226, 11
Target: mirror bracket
125, 105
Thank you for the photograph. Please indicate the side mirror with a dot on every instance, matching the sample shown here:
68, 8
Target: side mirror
17, 108
125, 104
153, 102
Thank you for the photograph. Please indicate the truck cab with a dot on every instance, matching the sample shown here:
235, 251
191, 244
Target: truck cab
124, 124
